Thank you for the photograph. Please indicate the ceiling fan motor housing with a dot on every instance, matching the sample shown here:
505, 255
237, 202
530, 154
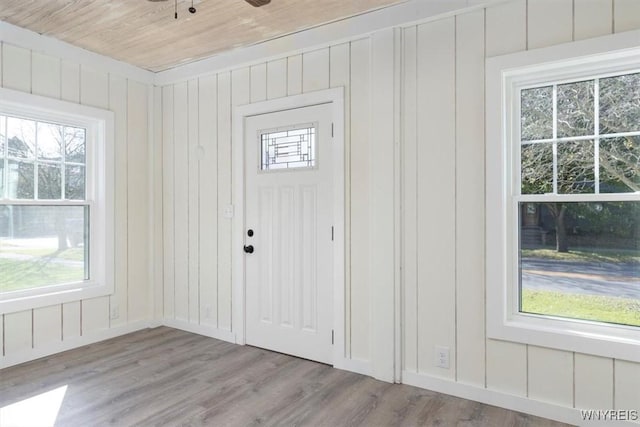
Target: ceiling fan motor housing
258, 3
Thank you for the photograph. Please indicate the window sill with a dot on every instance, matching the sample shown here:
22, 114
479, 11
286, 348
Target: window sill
53, 296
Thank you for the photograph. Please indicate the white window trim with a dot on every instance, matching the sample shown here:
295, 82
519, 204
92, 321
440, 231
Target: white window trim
505, 76
99, 124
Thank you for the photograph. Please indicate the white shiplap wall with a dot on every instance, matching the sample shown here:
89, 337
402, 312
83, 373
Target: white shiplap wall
196, 146
35, 333
443, 194
440, 117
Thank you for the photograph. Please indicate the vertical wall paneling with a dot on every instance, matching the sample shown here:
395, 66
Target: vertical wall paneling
18, 336
315, 70
118, 104
627, 15
95, 315
277, 78
225, 111
409, 200
181, 200
94, 87
47, 327
137, 204
258, 82
16, 68
193, 157
168, 203
294, 75
339, 61
1, 316
506, 28
45, 75
70, 81
360, 178
208, 196
470, 313
158, 207
436, 193
550, 22
507, 367
71, 315
382, 152
593, 382
592, 18
550, 376
627, 378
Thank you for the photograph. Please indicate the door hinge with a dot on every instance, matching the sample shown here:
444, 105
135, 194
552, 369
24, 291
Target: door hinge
332, 233
332, 337
331, 130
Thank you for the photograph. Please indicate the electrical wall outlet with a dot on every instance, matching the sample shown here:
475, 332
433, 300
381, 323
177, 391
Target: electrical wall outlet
115, 312
442, 357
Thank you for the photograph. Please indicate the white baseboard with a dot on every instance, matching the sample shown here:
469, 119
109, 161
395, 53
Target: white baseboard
496, 398
354, 365
69, 344
207, 331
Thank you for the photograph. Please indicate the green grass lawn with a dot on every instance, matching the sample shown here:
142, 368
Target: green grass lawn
588, 307
24, 274
584, 255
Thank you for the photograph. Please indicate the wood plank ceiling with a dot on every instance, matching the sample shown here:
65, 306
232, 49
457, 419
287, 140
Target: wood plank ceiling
145, 33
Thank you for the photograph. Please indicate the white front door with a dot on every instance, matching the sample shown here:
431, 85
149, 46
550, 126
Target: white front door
288, 236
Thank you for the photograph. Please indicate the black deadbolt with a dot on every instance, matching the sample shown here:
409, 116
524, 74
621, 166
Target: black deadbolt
250, 233
248, 249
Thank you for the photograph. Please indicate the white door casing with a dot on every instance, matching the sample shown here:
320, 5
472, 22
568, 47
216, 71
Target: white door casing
288, 210
289, 293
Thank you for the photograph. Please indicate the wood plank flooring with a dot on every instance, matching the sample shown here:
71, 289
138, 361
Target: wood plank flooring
166, 377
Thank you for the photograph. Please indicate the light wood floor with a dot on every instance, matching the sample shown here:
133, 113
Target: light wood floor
168, 377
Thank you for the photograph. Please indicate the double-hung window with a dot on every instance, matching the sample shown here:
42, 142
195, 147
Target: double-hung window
563, 197
56, 209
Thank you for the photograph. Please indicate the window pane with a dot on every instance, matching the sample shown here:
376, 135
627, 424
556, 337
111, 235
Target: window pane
1, 177
21, 136
289, 149
74, 183
576, 167
74, 144
20, 180
49, 181
50, 141
537, 168
620, 165
620, 104
581, 260
42, 245
576, 109
536, 115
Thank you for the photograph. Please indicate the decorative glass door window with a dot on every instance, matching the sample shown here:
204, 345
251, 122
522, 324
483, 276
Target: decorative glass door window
293, 148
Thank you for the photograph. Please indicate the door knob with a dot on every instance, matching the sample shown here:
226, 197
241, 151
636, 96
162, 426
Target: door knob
248, 249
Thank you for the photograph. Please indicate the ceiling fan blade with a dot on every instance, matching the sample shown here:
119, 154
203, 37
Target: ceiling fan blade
258, 3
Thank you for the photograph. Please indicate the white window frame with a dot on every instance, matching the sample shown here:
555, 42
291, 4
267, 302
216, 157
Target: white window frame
99, 176
505, 76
